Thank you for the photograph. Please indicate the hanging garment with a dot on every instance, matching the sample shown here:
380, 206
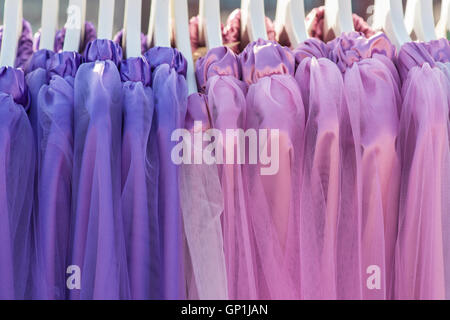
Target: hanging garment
17, 159
24, 45
422, 265
315, 21
275, 110
140, 171
118, 38
232, 31
55, 154
372, 86
218, 75
322, 88
170, 97
97, 235
202, 206
90, 34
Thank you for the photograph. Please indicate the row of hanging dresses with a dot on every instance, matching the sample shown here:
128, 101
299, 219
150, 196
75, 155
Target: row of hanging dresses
361, 132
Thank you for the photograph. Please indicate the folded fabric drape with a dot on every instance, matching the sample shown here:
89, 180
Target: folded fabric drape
97, 236
422, 250
274, 103
169, 85
218, 75
53, 205
17, 163
140, 181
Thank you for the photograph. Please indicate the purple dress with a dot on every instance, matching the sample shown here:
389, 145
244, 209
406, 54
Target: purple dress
97, 235
275, 109
170, 97
24, 46
422, 266
55, 158
218, 75
17, 163
140, 169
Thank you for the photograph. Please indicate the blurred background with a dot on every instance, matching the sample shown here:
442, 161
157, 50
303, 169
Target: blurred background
32, 10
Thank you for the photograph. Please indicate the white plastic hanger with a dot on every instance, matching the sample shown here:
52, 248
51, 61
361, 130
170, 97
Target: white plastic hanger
12, 24
253, 20
209, 25
444, 22
105, 19
420, 19
180, 16
76, 16
131, 41
388, 16
159, 25
49, 24
290, 16
338, 17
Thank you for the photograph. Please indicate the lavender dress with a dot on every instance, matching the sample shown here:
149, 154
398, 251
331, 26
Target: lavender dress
170, 98
97, 235
17, 159
55, 158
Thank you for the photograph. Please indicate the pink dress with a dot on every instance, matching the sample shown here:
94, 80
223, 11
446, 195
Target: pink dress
422, 269
275, 110
361, 239
218, 75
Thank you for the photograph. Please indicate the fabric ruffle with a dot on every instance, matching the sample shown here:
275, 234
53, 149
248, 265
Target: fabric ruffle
263, 58
157, 56
219, 61
101, 50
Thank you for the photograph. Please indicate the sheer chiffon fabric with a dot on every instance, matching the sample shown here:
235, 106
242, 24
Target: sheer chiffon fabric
202, 206
97, 235
24, 45
17, 159
170, 99
422, 251
140, 181
55, 103
372, 87
366, 225
322, 88
218, 75
274, 103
